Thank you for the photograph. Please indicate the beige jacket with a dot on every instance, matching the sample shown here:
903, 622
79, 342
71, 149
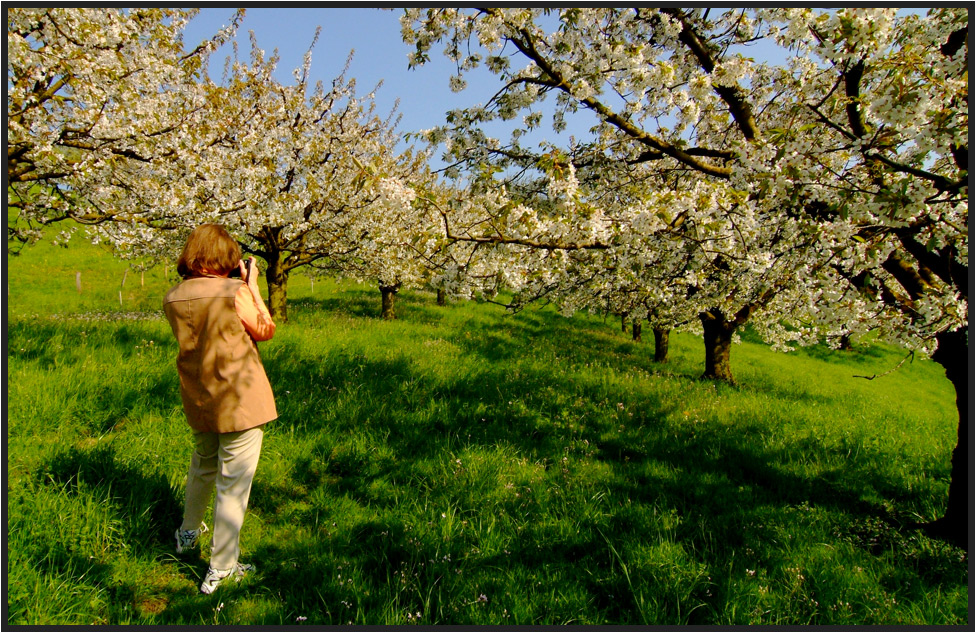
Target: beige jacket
222, 381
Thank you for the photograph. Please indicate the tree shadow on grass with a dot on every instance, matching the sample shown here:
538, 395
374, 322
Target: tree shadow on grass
862, 353
723, 512
349, 391
723, 482
476, 410
147, 509
305, 575
111, 408
146, 502
731, 493
418, 307
23, 569
54, 346
380, 566
356, 304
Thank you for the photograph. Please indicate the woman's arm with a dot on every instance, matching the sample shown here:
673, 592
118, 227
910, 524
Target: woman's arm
251, 309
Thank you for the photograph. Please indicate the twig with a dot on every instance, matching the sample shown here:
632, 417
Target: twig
911, 355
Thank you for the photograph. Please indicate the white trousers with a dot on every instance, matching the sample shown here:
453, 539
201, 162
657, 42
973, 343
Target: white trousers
225, 461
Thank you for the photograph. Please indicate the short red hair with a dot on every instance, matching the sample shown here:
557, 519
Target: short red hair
209, 249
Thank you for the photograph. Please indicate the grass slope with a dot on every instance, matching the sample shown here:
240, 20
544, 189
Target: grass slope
462, 466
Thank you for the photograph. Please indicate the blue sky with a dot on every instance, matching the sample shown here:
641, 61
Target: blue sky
380, 54
373, 33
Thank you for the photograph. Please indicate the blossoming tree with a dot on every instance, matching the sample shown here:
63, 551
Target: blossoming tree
721, 215
840, 169
894, 93
89, 93
113, 124
303, 175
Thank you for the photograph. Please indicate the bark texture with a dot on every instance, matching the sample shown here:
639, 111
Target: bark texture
661, 336
389, 300
718, 345
277, 278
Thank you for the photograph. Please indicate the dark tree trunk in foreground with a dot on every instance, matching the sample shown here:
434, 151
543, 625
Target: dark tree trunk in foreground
845, 343
661, 336
277, 277
718, 345
956, 525
637, 331
441, 297
623, 322
389, 299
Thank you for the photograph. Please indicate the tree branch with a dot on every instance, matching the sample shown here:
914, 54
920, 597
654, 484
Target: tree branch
739, 106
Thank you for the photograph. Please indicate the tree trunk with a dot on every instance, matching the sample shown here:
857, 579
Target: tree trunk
661, 336
441, 297
845, 343
389, 298
955, 525
637, 331
718, 345
623, 322
277, 278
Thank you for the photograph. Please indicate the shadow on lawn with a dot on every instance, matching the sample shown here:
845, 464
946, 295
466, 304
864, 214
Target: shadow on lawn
65, 346
723, 483
417, 307
474, 409
146, 502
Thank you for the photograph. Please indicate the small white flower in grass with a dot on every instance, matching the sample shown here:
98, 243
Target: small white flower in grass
301, 618
482, 598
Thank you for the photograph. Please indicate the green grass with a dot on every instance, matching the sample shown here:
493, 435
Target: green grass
462, 466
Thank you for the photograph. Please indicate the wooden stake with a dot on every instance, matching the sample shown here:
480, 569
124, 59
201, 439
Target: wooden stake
78, 282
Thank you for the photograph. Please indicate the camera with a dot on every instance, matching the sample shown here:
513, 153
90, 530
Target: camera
235, 272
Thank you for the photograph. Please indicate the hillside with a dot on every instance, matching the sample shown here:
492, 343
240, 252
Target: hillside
463, 466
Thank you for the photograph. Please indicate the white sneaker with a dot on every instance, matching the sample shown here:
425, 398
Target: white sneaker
215, 576
187, 539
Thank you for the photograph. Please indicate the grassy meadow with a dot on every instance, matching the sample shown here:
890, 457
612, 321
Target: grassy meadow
462, 466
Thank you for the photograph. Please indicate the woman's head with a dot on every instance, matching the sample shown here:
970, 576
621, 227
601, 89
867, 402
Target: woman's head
210, 250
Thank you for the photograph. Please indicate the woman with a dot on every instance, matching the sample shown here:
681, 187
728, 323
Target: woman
226, 395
